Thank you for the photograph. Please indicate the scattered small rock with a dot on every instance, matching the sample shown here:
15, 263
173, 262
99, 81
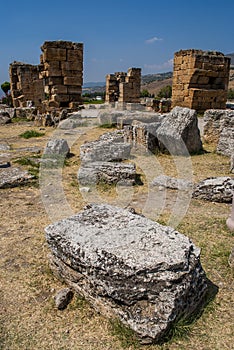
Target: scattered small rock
5, 164
4, 117
63, 298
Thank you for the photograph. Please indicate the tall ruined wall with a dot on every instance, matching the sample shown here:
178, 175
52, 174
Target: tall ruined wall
25, 84
62, 71
124, 87
200, 79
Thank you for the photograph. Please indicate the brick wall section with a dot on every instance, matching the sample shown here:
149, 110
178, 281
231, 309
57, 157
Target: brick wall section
200, 79
124, 87
62, 71
25, 84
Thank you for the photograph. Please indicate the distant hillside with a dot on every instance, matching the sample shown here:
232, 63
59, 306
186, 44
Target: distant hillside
94, 84
149, 78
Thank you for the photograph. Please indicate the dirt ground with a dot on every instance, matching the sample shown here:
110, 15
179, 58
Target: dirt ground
28, 316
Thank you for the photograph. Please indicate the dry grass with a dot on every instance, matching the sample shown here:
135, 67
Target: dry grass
28, 317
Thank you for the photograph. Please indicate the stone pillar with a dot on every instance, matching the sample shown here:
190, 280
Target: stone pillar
124, 87
62, 72
26, 85
200, 80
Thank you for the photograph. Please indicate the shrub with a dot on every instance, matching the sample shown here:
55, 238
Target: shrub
31, 133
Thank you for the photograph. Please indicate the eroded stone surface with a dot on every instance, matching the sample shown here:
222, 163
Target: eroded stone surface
12, 177
215, 189
57, 147
128, 266
179, 132
172, 183
214, 122
226, 140
109, 147
93, 173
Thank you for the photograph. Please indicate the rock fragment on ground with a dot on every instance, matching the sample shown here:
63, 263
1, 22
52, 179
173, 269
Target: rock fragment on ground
172, 183
13, 177
63, 298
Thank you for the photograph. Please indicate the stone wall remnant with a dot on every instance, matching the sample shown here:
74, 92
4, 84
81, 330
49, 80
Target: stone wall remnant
200, 79
124, 87
62, 72
55, 83
26, 86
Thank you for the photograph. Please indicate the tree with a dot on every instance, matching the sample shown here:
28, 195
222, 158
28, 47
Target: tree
230, 94
6, 86
165, 92
145, 93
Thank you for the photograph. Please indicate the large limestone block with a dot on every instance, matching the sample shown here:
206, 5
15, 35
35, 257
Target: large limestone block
57, 147
214, 121
75, 55
13, 177
75, 81
127, 266
55, 54
94, 173
226, 142
179, 133
215, 189
109, 147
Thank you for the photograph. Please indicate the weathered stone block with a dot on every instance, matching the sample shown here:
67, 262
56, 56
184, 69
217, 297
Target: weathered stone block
93, 173
75, 81
179, 133
127, 266
215, 189
54, 54
75, 55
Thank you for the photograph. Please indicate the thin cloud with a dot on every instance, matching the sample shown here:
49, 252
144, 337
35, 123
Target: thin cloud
166, 65
153, 40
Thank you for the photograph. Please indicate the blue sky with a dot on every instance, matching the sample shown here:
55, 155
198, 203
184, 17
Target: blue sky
116, 34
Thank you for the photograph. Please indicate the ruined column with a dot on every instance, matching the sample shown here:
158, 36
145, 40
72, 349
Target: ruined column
62, 71
200, 80
124, 87
25, 85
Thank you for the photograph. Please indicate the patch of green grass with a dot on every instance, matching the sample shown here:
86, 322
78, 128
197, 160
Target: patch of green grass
19, 119
33, 167
107, 126
31, 133
126, 336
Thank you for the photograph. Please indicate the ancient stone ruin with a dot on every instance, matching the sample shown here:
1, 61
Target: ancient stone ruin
56, 82
124, 87
147, 275
200, 79
62, 72
26, 85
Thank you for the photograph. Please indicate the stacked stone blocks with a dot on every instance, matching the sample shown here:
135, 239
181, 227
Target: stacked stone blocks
200, 79
124, 87
25, 84
62, 71
56, 82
